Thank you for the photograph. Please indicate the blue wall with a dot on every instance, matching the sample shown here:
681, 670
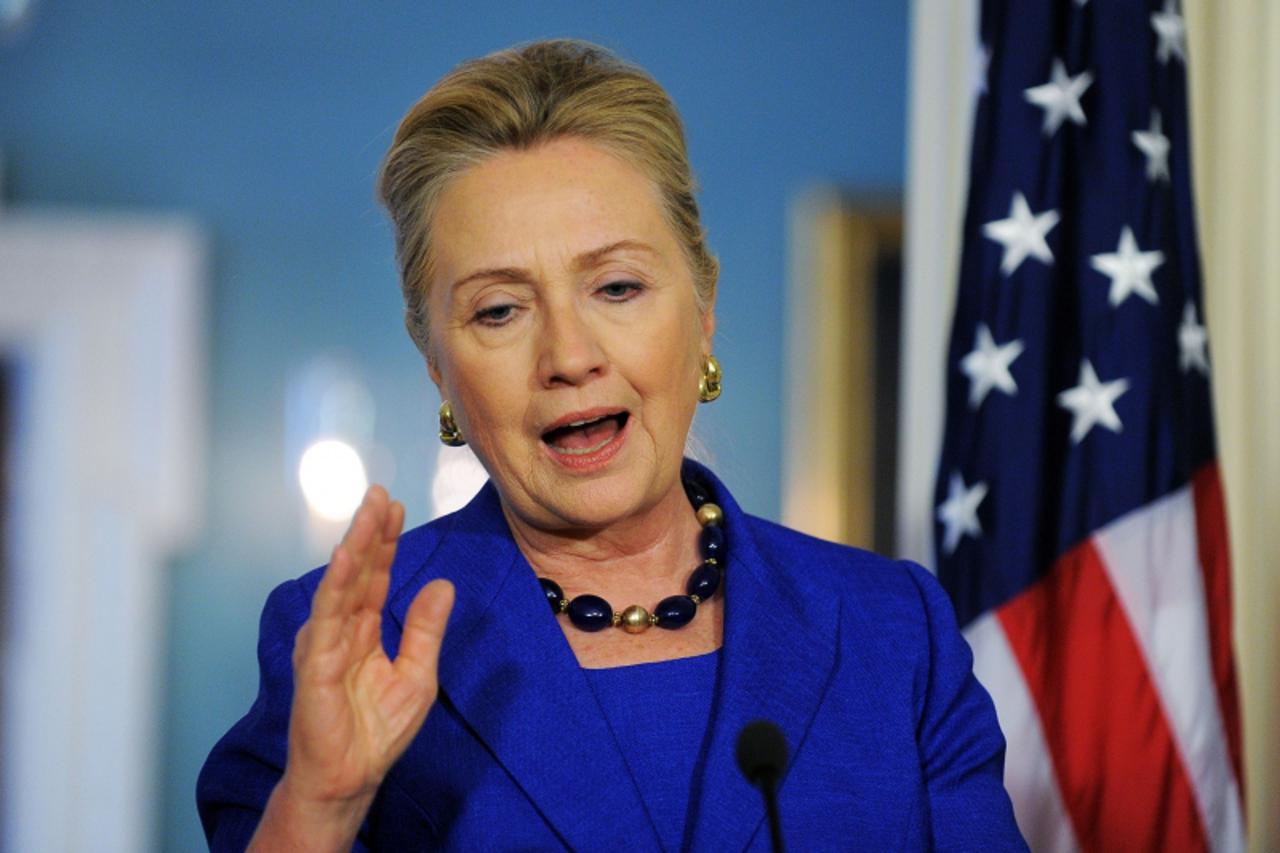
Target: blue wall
266, 122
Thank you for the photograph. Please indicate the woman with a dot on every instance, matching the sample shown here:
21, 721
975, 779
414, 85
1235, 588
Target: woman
558, 283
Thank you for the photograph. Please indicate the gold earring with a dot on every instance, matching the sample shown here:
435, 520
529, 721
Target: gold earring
709, 382
449, 432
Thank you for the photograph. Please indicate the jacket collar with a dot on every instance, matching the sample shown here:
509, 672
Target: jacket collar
779, 653
508, 670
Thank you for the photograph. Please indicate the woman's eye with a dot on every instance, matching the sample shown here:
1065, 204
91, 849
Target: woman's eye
621, 291
496, 315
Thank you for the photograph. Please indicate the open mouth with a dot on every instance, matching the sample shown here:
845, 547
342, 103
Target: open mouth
581, 438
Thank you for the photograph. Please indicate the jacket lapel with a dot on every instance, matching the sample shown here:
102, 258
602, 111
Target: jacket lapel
508, 670
779, 654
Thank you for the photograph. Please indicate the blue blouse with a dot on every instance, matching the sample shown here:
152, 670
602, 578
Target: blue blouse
658, 713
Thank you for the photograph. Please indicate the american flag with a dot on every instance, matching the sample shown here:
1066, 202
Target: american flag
1080, 524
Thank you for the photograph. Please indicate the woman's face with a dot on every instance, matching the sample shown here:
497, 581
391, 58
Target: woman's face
565, 332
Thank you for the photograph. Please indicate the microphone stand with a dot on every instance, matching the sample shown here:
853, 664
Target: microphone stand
762, 758
770, 791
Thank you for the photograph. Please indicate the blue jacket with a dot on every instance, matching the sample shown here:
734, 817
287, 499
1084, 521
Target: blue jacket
894, 745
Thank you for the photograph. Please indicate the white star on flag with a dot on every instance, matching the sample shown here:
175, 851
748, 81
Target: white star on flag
1172, 33
959, 512
1022, 234
1193, 340
1129, 269
1060, 97
987, 366
1092, 402
1154, 145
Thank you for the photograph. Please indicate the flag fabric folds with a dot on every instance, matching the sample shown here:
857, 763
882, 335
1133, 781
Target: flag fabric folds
1080, 525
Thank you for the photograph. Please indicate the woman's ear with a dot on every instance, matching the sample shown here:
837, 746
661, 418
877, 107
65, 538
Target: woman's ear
708, 321
428, 350
433, 370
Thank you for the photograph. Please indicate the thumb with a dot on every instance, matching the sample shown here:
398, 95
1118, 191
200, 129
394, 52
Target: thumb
424, 630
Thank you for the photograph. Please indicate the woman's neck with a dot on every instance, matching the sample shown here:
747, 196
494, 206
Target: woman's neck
647, 556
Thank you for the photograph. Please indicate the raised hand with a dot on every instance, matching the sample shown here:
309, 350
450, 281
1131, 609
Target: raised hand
354, 710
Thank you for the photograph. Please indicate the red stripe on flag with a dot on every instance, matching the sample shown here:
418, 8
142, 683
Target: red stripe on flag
1215, 563
1118, 768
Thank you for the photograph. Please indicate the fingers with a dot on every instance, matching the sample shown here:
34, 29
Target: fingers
359, 570
367, 522
334, 587
394, 521
424, 631
381, 557
364, 538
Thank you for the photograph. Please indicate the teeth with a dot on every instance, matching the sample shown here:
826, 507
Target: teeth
581, 451
576, 424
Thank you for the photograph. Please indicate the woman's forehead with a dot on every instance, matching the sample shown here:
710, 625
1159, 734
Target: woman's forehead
560, 204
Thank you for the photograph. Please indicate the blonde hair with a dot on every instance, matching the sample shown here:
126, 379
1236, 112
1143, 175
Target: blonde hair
516, 99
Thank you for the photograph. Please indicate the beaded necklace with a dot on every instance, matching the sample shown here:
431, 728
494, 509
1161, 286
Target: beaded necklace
592, 613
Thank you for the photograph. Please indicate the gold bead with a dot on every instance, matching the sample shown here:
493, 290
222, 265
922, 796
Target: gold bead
696, 599
710, 514
564, 605
635, 619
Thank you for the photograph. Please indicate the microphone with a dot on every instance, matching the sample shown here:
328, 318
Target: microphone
762, 756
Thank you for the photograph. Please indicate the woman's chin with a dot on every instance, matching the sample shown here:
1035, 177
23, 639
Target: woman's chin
597, 504
616, 493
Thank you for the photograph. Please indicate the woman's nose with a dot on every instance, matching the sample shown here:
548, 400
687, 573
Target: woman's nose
571, 351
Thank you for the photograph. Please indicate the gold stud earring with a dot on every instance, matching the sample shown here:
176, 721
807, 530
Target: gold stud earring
709, 382
449, 432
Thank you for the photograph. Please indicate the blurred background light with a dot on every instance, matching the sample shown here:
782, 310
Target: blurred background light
459, 475
14, 12
333, 479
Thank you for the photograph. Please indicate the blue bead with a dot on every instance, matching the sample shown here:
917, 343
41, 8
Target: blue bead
697, 494
675, 611
590, 613
553, 592
711, 542
704, 581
